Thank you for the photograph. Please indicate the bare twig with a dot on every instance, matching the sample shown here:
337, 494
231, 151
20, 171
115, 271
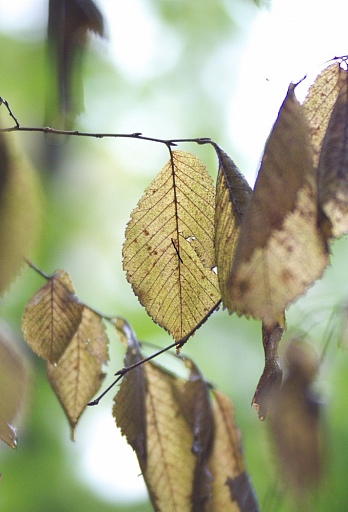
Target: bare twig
136, 135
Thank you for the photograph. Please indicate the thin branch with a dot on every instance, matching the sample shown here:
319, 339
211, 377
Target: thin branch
5, 102
136, 135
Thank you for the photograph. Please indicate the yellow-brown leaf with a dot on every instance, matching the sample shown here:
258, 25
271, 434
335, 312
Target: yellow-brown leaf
318, 106
280, 251
52, 317
13, 388
233, 195
333, 163
171, 463
78, 375
231, 490
168, 253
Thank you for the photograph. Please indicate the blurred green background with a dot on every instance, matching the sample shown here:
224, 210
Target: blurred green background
184, 89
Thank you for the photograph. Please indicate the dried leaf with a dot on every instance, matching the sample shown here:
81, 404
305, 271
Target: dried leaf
169, 248
318, 106
295, 422
52, 317
13, 388
333, 163
20, 211
232, 490
169, 445
78, 375
232, 199
195, 404
129, 403
272, 375
280, 251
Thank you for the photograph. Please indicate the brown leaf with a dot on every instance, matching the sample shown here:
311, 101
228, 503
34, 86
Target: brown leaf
20, 211
272, 375
333, 163
69, 22
232, 200
318, 106
78, 375
231, 490
295, 422
169, 248
195, 403
280, 251
52, 317
129, 403
13, 387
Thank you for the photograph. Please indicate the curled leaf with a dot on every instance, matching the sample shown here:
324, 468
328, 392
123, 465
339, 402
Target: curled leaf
280, 251
318, 106
129, 403
272, 375
333, 163
232, 200
52, 317
78, 375
168, 253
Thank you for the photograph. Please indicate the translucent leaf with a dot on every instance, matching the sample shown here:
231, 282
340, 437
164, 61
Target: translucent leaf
20, 211
168, 253
232, 490
232, 199
13, 388
280, 251
318, 106
78, 375
295, 422
51, 317
272, 375
333, 163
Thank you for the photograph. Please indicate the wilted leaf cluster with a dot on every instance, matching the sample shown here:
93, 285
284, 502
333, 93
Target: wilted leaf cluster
189, 246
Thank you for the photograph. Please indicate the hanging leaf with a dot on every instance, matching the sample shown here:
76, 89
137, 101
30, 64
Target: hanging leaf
52, 317
168, 253
78, 375
232, 490
295, 422
272, 375
333, 163
20, 211
13, 387
318, 106
232, 199
280, 251
188, 449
